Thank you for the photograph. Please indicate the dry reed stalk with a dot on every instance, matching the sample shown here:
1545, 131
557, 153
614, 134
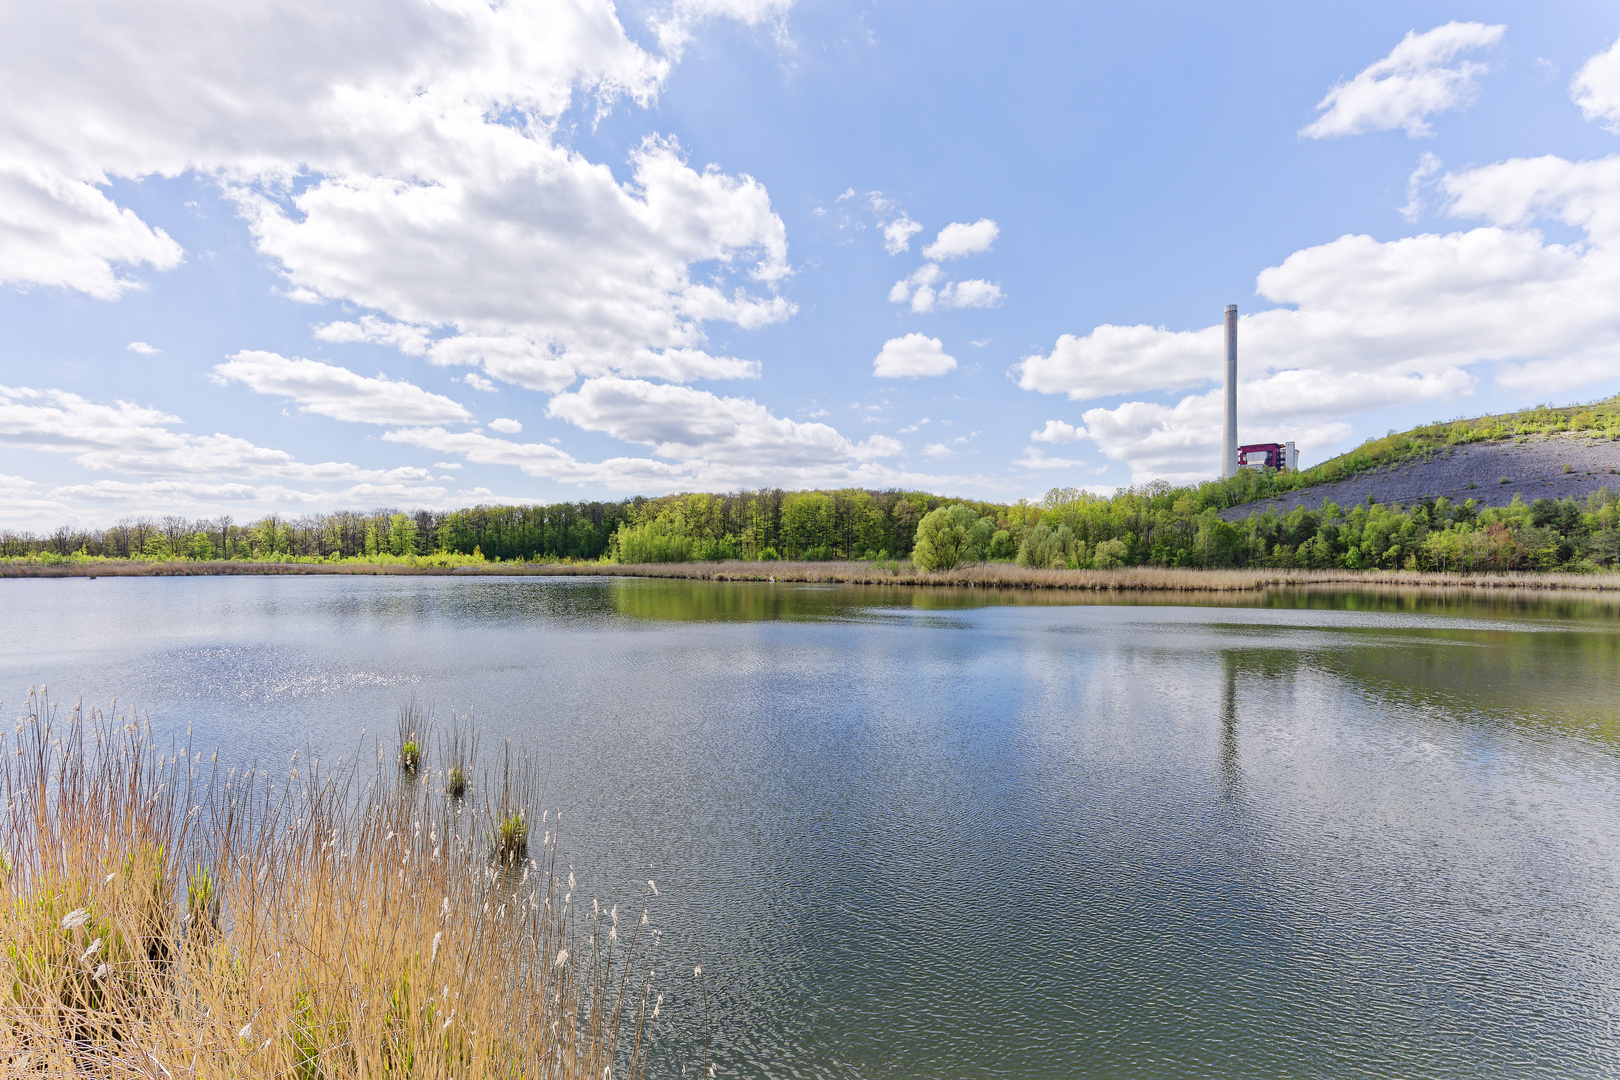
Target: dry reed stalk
168, 919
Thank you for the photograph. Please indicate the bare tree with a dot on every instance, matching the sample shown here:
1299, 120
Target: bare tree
141, 530
174, 530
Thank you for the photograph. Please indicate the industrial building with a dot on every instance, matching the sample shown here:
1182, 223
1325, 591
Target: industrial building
1281, 456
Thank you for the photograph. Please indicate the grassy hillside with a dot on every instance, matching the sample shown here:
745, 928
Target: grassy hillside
1600, 419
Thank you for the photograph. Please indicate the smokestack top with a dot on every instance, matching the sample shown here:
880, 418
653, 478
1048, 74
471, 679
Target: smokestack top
1230, 308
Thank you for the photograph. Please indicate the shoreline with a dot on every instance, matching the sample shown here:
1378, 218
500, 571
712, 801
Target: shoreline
984, 575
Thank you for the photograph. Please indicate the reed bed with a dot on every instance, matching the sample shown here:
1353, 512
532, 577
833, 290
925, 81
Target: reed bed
167, 917
93, 568
1126, 579
979, 575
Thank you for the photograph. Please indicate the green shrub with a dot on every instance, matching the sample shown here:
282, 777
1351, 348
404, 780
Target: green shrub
651, 544
1109, 555
1045, 547
940, 539
512, 839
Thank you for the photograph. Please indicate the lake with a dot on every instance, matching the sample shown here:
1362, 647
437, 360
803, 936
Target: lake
931, 833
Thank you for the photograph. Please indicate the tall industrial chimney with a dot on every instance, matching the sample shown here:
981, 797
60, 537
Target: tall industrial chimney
1229, 444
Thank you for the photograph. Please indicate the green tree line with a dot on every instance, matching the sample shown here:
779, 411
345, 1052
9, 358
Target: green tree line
559, 531
1164, 526
751, 524
1153, 524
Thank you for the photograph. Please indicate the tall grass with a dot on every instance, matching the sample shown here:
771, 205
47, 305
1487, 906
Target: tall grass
165, 917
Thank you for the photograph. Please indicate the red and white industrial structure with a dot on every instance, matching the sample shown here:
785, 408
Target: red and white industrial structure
1283, 457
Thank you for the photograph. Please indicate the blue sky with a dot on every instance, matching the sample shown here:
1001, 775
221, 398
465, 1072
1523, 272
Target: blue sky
434, 254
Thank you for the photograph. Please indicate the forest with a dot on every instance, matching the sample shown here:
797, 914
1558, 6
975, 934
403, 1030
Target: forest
1153, 524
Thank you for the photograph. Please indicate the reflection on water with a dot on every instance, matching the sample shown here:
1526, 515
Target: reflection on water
1230, 774
710, 600
1561, 677
965, 833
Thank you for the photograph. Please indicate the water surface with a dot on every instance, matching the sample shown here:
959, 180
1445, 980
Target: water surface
937, 834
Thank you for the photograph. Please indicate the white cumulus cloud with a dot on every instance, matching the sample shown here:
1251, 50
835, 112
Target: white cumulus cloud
912, 356
62, 230
143, 348
877, 446
505, 426
683, 423
431, 195
918, 289
410, 340
707, 443
137, 439
1421, 76
1181, 443
897, 234
923, 289
973, 293
544, 461
924, 293
1124, 359
1057, 431
1596, 87
957, 239
337, 392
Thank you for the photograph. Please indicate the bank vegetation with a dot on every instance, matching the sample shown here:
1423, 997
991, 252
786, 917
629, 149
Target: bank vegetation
168, 917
